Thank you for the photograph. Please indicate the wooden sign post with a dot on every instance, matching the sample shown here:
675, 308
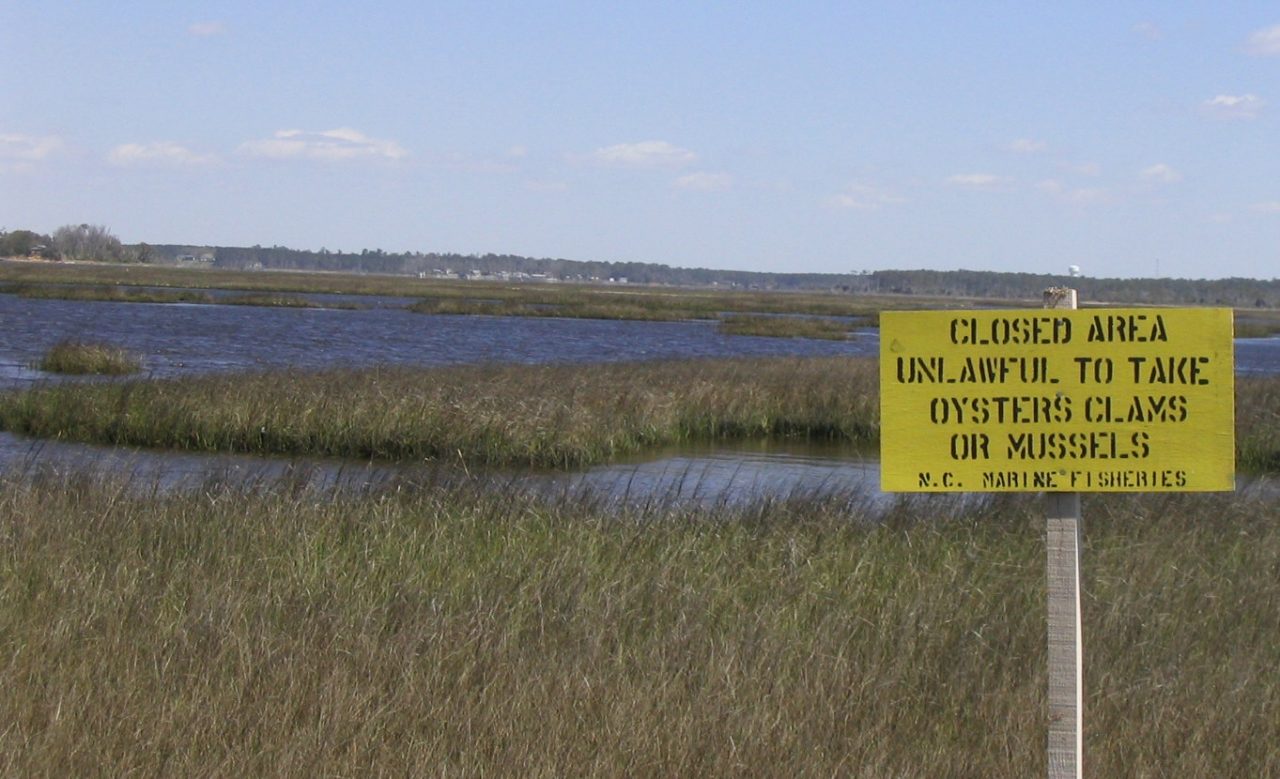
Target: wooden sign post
1060, 401
1066, 650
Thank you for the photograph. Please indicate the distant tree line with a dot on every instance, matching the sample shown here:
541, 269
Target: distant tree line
81, 243
1237, 292
95, 242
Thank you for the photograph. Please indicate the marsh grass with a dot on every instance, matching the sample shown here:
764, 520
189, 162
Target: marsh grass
489, 297
87, 357
543, 416
1258, 423
455, 632
121, 294
642, 303
787, 327
1254, 326
107, 293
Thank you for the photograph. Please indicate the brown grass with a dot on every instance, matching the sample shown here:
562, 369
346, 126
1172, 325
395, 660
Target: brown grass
456, 633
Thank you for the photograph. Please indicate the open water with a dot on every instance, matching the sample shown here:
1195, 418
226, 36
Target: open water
178, 339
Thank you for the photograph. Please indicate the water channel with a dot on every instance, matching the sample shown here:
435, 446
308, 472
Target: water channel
183, 339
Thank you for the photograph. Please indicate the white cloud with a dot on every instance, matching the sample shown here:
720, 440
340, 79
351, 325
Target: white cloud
1264, 42
705, 182
1269, 207
206, 29
159, 153
863, 197
987, 182
342, 143
1160, 173
1027, 146
1224, 107
645, 154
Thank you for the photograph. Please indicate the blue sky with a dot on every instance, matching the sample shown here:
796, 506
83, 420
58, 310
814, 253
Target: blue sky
1131, 139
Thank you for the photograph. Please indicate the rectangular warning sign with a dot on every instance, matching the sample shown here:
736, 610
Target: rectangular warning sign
1098, 400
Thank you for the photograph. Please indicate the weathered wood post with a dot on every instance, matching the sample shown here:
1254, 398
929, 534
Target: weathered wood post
1066, 651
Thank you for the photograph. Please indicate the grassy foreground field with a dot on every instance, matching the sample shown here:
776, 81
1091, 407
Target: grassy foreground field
462, 633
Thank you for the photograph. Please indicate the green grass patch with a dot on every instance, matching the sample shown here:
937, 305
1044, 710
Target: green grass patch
474, 634
85, 357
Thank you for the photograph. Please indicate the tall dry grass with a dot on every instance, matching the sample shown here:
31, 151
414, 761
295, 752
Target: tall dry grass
486, 415
452, 632
543, 416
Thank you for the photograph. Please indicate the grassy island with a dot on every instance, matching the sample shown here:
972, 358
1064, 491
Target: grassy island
84, 357
512, 415
544, 416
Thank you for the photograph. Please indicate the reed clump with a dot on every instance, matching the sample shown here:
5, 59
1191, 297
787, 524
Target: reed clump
482, 633
89, 357
529, 415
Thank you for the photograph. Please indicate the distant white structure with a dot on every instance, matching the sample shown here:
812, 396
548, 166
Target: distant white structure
1073, 270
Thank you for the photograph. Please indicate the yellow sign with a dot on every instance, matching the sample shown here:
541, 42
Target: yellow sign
1099, 400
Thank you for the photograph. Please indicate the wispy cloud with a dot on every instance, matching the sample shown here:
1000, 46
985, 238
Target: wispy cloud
1149, 30
705, 182
546, 185
864, 197
1264, 42
986, 182
1228, 107
644, 154
21, 152
1268, 207
1076, 196
1090, 169
206, 29
1027, 146
157, 153
1160, 173
339, 144
28, 147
